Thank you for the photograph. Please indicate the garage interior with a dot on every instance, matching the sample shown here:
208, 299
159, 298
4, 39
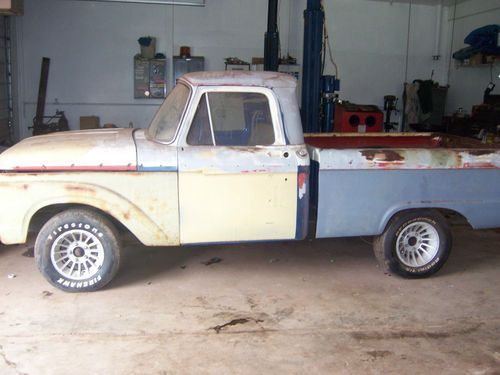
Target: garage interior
322, 306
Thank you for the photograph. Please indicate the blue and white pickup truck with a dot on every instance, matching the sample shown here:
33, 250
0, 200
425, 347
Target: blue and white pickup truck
225, 160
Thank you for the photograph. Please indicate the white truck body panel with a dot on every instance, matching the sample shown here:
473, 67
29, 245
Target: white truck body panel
139, 200
83, 150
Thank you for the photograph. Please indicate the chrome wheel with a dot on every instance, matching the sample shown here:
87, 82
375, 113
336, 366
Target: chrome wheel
417, 244
77, 254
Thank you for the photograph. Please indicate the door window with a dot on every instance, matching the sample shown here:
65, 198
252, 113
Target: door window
200, 133
232, 119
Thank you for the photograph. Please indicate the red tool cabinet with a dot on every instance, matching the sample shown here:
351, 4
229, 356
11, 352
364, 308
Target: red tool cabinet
357, 118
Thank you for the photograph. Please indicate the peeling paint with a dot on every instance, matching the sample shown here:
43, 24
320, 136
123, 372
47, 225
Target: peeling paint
437, 158
104, 149
145, 203
302, 185
382, 156
239, 78
80, 189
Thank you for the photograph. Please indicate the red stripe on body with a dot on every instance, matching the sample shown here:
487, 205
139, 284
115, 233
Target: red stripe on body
87, 168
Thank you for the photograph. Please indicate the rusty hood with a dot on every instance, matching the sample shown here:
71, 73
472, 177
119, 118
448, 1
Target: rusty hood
99, 149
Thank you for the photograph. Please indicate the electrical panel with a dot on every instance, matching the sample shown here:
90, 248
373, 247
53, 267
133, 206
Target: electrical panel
150, 78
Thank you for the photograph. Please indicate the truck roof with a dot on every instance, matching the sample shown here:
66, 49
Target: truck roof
240, 78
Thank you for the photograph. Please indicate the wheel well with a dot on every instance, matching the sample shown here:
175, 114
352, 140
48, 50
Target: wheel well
44, 214
453, 217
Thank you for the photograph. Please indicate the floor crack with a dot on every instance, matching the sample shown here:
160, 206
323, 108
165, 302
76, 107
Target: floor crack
9, 363
234, 322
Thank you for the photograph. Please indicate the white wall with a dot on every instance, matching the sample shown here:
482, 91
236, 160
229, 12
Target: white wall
92, 44
369, 42
467, 84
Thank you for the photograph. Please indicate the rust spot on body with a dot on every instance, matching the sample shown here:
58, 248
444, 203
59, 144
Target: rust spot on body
248, 149
80, 189
479, 165
126, 215
382, 155
480, 152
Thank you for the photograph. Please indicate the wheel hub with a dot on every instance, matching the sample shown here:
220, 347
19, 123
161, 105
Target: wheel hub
417, 244
77, 254
412, 241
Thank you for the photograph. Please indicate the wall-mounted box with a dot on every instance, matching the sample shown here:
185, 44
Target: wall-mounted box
183, 65
150, 78
12, 7
158, 78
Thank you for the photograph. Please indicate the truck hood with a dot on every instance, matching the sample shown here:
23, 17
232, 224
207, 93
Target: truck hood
100, 149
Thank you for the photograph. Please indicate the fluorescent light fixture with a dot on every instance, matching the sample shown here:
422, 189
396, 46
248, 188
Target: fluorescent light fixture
194, 3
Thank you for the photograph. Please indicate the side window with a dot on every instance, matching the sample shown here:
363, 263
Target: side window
241, 119
200, 133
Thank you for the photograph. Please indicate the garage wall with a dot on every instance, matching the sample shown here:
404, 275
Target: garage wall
467, 84
91, 46
369, 42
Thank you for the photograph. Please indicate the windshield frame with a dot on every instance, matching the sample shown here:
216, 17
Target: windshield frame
148, 134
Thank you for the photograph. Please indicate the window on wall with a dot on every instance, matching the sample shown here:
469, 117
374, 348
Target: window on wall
232, 119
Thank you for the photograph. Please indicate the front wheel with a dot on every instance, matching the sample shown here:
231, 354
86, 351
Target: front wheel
414, 244
78, 250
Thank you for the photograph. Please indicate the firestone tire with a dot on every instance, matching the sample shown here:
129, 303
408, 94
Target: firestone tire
78, 250
415, 244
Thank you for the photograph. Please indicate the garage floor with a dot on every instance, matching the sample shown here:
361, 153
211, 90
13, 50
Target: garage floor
315, 307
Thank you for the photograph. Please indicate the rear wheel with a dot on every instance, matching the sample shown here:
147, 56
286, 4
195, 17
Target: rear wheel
414, 244
78, 250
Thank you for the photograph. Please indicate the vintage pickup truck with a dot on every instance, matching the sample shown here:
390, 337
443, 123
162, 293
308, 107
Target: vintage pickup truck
224, 160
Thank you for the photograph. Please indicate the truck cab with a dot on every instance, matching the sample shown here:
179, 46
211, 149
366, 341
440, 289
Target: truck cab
231, 148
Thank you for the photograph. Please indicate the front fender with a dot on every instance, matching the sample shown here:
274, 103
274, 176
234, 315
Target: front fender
134, 199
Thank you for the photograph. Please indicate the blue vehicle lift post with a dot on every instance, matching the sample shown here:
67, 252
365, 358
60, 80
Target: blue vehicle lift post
311, 74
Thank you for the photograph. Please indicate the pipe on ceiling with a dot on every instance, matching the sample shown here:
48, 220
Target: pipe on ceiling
200, 3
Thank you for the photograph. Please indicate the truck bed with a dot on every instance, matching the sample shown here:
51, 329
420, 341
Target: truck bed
400, 151
359, 181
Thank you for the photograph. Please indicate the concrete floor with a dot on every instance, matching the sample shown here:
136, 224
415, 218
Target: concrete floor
315, 307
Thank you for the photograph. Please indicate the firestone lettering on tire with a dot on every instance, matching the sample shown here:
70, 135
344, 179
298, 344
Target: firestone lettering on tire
79, 284
64, 227
423, 268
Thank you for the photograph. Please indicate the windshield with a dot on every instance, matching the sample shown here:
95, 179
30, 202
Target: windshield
168, 117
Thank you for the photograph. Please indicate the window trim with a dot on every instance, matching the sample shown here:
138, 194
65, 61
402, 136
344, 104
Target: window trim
212, 132
178, 130
279, 137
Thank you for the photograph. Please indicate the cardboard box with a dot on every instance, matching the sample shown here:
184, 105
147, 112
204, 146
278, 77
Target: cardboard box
476, 59
89, 122
12, 7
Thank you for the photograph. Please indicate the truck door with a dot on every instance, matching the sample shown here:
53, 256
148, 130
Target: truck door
237, 176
